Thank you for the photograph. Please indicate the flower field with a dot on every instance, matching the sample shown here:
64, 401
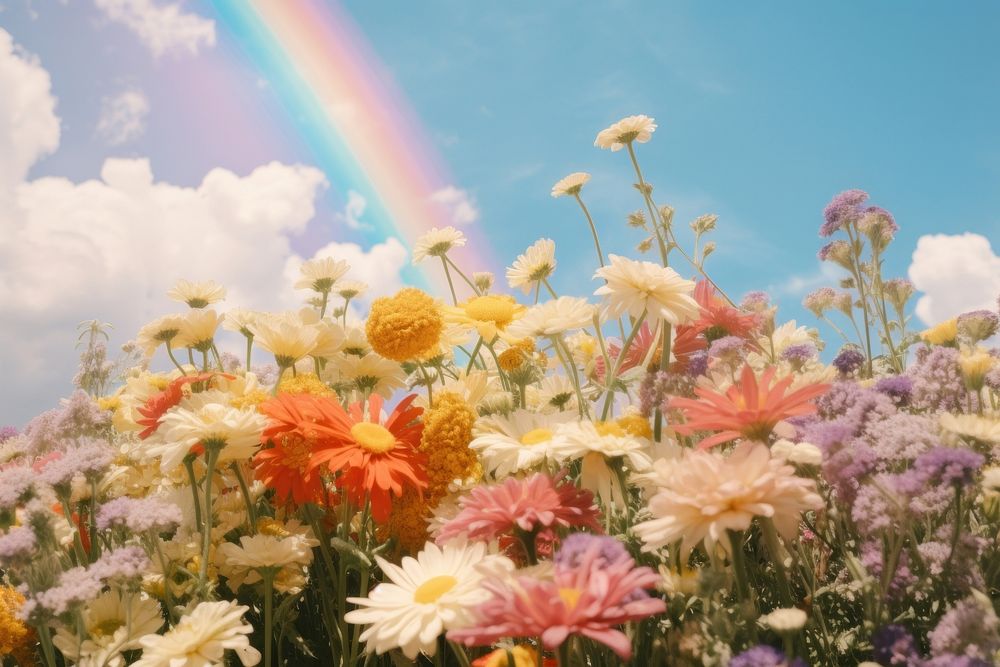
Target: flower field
649, 472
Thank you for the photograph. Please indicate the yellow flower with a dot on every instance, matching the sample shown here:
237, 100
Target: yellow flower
944, 333
523, 656
197, 295
253, 397
635, 425
511, 359
15, 638
109, 403
445, 440
404, 326
304, 383
489, 314
975, 365
408, 522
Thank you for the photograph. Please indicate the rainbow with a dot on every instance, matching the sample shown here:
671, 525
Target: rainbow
362, 131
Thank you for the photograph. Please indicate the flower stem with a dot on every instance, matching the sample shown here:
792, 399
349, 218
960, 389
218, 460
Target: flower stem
451, 285
251, 510
189, 467
268, 576
664, 364
212, 457
609, 380
593, 228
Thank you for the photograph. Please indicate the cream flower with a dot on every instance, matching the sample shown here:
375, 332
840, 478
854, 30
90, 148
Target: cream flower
489, 315
198, 329
238, 431
483, 280
350, 289
329, 334
371, 373
201, 639
113, 625
785, 620
536, 264
703, 494
286, 556
984, 428
197, 295
521, 441
600, 447
161, 330
553, 317
803, 453
437, 591
555, 393
570, 185
437, 243
633, 128
285, 337
355, 341
636, 287
241, 320
320, 274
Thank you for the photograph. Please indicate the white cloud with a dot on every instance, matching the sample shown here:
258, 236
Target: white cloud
353, 210
461, 207
123, 117
956, 273
163, 28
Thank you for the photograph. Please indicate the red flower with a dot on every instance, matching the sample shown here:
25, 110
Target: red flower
718, 318
157, 404
748, 409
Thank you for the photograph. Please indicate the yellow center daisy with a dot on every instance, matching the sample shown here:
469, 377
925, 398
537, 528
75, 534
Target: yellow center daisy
536, 436
434, 588
376, 438
497, 309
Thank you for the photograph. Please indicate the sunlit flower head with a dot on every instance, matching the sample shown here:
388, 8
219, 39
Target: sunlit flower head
437, 243
197, 295
350, 289
570, 185
635, 287
536, 264
943, 333
553, 317
982, 428
483, 280
489, 314
285, 337
240, 320
320, 274
521, 441
158, 332
370, 373
201, 638
285, 556
633, 128
113, 626
236, 432
405, 326
437, 591
198, 329
599, 446
703, 495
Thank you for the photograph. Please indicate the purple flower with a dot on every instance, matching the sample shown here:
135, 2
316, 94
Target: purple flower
897, 387
572, 550
697, 364
800, 353
17, 546
121, 563
139, 515
900, 438
764, 656
956, 661
978, 325
755, 301
76, 587
842, 209
970, 628
17, 484
962, 573
90, 459
7, 432
848, 361
894, 645
948, 466
725, 346
937, 380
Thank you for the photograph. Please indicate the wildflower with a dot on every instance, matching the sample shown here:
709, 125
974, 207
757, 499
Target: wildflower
970, 628
843, 209
320, 274
236, 433
764, 656
533, 267
445, 442
898, 291
704, 494
139, 515
937, 380
437, 591
717, 318
633, 128
375, 460
786, 620
304, 383
437, 243
17, 546
977, 325
201, 637
371, 374
636, 288
483, 280
897, 387
284, 557
531, 504
948, 466
285, 338
589, 594
600, 447
894, 645
820, 301
16, 639
520, 441
849, 361
241, 321
638, 352
113, 625
974, 366
161, 330
750, 409
803, 453
405, 326
197, 294
553, 317
943, 333
159, 403
489, 314
570, 185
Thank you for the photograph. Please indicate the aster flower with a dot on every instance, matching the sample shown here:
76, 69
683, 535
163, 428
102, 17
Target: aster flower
319, 274
635, 288
531, 268
848, 361
531, 504
591, 592
553, 317
139, 515
17, 546
570, 185
201, 638
750, 409
426, 596
197, 295
843, 209
113, 624
520, 441
632, 128
437, 243
704, 494
489, 315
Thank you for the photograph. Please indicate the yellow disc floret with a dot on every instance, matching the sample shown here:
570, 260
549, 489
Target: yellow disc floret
405, 326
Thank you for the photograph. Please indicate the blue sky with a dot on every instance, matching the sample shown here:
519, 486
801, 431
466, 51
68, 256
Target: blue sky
765, 111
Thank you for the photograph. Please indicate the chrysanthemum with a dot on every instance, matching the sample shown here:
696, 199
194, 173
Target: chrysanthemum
161, 330
198, 329
285, 337
445, 442
749, 409
531, 504
404, 326
636, 287
437, 243
197, 295
704, 494
113, 626
633, 128
523, 440
428, 595
570, 185
320, 274
589, 595
373, 459
489, 315
599, 446
369, 374
536, 264
236, 432
553, 317
201, 639
286, 557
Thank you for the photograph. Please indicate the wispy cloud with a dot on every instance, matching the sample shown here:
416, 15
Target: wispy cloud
163, 28
123, 117
459, 204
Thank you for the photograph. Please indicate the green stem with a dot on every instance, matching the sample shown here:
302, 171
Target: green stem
653, 216
45, 639
189, 467
451, 285
609, 380
472, 356
567, 359
548, 286
249, 352
462, 275
460, 654
593, 228
775, 550
170, 353
664, 364
427, 381
245, 491
212, 457
322, 307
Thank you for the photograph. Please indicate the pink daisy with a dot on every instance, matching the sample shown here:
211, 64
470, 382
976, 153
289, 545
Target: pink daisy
588, 595
531, 505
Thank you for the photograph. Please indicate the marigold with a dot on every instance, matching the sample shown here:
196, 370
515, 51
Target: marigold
408, 522
445, 441
404, 326
16, 639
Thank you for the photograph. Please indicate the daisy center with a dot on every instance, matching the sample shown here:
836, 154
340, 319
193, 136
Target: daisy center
536, 436
434, 588
610, 428
297, 451
106, 628
570, 596
373, 437
490, 309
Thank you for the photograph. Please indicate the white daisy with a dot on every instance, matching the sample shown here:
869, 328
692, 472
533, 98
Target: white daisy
113, 625
984, 428
350, 289
536, 264
198, 329
635, 287
601, 446
370, 373
241, 321
161, 330
555, 393
201, 639
520, 441
803, 453
437, 243
320, 274
197, 295
553, 317
285, 337
437, 591
633, 128
288, 556
181, 429
570, 185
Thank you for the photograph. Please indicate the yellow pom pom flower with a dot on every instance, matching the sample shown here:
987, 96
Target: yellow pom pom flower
944, 333
404, 326
445, 440
304, 383
16, 639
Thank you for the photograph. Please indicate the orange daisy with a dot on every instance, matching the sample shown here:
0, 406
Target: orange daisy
718, 318
749, 409
374, 459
